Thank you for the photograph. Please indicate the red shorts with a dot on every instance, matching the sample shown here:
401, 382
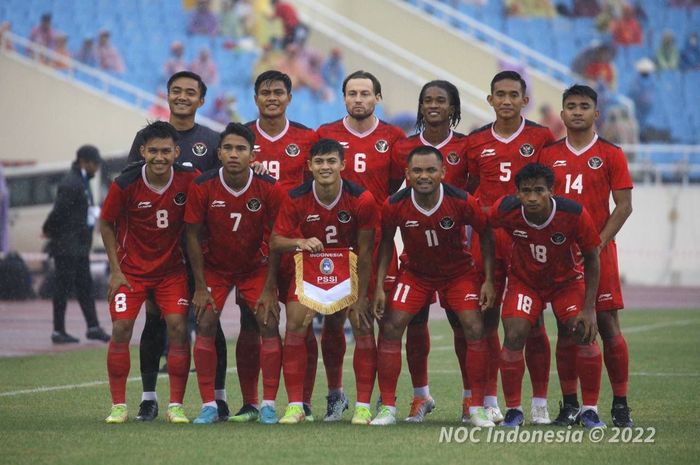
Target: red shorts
609, 296
522, 301
413, 292
170, 293
249, 286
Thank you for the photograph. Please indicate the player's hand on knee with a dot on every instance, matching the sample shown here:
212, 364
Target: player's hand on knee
379, 304
200, 301
362, 312
488, 295
116, 280
586, 326
267, 307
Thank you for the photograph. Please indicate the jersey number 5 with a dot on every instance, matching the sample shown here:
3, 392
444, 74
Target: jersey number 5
505, 171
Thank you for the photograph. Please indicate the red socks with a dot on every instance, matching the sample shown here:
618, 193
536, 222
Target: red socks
512, 371
538, 357
417, 350
271, 364
478, 354
333, 349
205, 363
389, 367
589, 366
494, 363
248, 364
179, 370
364, 363
566, 364
118, 365
311, 364
617, 362
461, 352
294, 365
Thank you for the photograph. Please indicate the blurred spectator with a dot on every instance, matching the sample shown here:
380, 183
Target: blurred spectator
160, 110
43, 33
176, 62
530, 8
224, 109
586, 8
62, 62
553, 121
690, 56
108, 56
237, 19
205, 67
667, 55
333, 70
298, 65
642, 91
601, 66
5, 40
585, 57
619, 128
294, 30
626, 30
87, 54
203, 21
604, 19
270, 58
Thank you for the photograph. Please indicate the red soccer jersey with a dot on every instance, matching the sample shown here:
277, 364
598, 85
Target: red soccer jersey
434, 241
368, 159
589, 175
546, 255
285, 154
236, 224
337, 225
496, 160
454, 153
148, 221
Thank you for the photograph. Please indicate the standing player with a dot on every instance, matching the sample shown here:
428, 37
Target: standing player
197, 144
282, 147
588, 169
319, 215
141, 226
231, 210
439, 112
368, 143
549, 235
432, 217
496, 152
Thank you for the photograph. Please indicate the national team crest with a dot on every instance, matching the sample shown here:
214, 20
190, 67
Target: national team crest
595, 162
558, 238
343, 216
253, 205
327, 282
382, 146
527, 150
452, 158
327, 266
446, 222
292, 150
180, 198
199, 149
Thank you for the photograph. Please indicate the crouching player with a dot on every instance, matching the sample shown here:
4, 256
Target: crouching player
549, 235
141, 226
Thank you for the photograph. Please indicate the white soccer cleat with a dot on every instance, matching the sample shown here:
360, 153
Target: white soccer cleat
481, 419
540, 415
494, 414
385, 417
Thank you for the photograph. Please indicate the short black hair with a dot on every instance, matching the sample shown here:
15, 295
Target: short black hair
271, 76
239, 130
191, 75
326, 146
159, 130
452, 95
424, 150
535, 171
360, 74
582, 91
513, 76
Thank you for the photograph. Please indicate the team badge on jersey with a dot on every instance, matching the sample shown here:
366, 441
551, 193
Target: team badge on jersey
199, 149
343, 216
292, 150
382, 146
452, 158
558, 238
326, 266
527, 150
446, 222
253, 205
180, 198
595, 162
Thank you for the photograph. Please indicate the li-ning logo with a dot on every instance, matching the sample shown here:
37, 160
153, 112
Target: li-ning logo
559, 163
312, 218
183, 302
471, 297
345, 145
519, 233
256, 148
144, 205
488, 153
218, 203
571, 308
411, 224
604, 297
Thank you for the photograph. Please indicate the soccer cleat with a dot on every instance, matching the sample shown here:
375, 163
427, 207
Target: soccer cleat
466, 403
176, 414
247, 413
481, 418
590, 419
207, 416
293, 415
268, 415
118, 414
337, 404
494, 414
61, 337
568, 415
513, 418
539, 415
362, 416
308, 414
148, 410
621, 416
385, 417
222, 409
420, 407
97, 333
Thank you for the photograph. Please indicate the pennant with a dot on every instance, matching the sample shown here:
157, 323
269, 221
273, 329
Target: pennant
327, 281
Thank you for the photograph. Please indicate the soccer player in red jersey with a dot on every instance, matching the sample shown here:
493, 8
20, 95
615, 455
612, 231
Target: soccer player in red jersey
229, 214
432, 217
550, 234
319, 215
368, 143
495, 152
141, 226
282, 148
439, 112
588, 170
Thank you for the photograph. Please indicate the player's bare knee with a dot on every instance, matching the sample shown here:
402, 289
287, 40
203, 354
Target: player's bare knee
608, 324
121, 330
335, 321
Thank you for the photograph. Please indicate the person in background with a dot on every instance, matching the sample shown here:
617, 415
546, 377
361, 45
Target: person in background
667, 56
203, 21
87, 54
108, 56
690, 55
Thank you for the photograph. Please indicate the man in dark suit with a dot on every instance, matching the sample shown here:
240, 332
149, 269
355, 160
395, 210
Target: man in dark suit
69, 229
